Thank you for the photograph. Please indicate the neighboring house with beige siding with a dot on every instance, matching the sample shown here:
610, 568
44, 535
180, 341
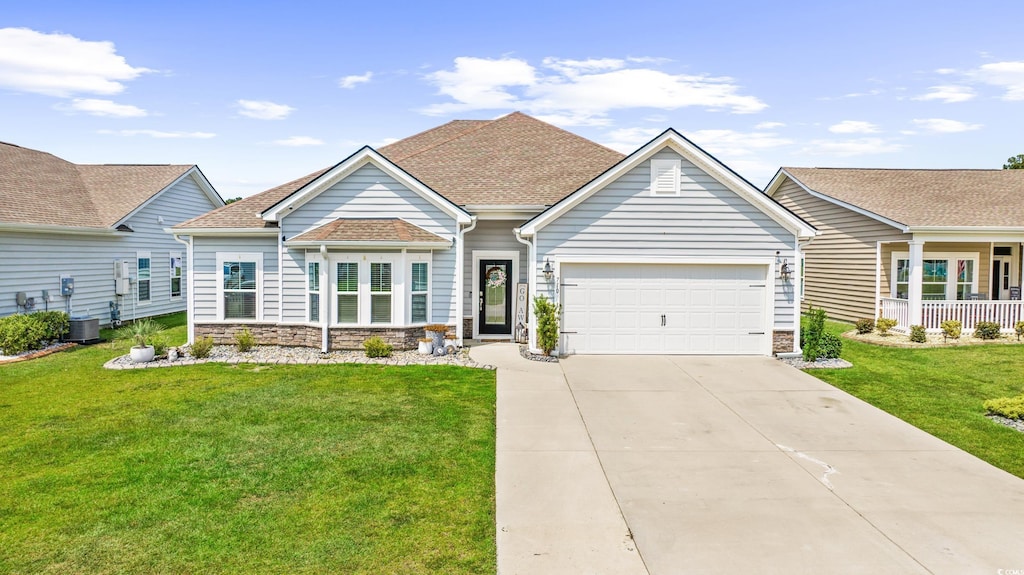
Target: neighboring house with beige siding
920, 246
68, 231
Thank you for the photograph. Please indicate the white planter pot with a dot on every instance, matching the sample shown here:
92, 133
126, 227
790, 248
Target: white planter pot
426, 347
449, 343
142, 354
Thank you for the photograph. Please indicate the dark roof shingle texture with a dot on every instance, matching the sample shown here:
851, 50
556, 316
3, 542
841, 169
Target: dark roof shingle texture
513, 160
925, 197
41, 189
368, 230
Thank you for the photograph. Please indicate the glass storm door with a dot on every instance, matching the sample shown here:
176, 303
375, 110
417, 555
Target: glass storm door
494, 315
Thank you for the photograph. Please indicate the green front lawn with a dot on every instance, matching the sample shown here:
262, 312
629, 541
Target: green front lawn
244, 469
939, 390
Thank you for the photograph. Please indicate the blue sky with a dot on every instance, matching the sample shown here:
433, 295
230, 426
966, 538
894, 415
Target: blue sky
259, 93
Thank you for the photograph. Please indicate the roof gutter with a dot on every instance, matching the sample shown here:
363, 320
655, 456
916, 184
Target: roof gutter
460, 278
531, 280
370, 244
55, 229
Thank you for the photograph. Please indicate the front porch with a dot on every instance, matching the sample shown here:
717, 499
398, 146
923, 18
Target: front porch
966, 279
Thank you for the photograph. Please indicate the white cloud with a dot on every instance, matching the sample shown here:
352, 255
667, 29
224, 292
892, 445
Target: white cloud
349, 82
627, 140
161, 134
948, 94
103, 108
1008, 75
945, 71
733, 143
853, 127
943, 126
769, 125
579, 92
61, 64
263, 110
298, 141
854, 147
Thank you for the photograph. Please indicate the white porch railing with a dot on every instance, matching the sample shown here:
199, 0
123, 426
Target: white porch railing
899, 310
969, 313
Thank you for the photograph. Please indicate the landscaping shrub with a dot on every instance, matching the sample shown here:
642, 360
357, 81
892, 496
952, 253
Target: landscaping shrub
56, 322
546, 312
1009, 407
950, 329
813, 332
20, 333
986, 330
202, 347
865, 325
377, 347
829, 346
884, 324
917, 334
244, 340
1019, 328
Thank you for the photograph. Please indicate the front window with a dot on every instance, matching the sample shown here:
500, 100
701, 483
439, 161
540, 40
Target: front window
144, 278
348, 292
175, 275
239, 289
964, 278
313, 285
380, 292
943, 276
418, 287
933, 282
903, 279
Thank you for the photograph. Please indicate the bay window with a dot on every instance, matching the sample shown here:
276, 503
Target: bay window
313, 291
943, 276
348, 292
418, 288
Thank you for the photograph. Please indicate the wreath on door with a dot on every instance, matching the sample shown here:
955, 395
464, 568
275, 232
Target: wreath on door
496, 277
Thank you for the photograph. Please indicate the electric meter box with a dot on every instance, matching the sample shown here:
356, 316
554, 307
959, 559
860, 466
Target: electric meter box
122, 284
67, 286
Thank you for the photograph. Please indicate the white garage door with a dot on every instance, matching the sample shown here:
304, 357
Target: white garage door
662, 308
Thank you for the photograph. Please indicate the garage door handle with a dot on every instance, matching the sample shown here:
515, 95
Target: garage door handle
757, 285
662, 320
755, 333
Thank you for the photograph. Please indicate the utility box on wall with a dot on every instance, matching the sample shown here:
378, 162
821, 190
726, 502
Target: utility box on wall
67, 286
122, 286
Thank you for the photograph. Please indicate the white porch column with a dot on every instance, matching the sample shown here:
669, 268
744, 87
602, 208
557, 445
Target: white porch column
914, 281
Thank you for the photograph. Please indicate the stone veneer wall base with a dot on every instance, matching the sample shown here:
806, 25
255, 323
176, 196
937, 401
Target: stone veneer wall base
401, 338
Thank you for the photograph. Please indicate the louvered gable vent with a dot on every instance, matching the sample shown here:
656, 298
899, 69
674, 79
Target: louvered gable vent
665, 175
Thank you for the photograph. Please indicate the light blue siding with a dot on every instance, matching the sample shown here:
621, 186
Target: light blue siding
32, 262
491, 235
207, 275
706, 220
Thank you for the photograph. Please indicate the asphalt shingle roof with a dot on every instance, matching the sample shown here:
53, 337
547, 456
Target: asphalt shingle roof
513, 160
41, 189
925, 197
368, 230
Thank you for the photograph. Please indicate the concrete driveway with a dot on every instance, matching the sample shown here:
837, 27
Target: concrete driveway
676, 464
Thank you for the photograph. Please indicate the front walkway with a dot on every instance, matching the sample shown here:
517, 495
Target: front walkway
730, 465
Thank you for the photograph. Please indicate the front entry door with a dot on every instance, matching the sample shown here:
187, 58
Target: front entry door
1000, 278
494, 295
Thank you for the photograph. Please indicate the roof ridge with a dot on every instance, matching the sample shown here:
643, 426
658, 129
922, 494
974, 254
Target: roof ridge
482, 124
899, 169
574, 135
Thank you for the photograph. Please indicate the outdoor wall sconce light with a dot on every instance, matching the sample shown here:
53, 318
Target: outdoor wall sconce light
784, 272
548, 270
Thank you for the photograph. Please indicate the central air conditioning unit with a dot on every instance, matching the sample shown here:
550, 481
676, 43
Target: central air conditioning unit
121, 284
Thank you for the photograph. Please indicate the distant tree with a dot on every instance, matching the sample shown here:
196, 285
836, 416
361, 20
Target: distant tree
1014, 163
233, 200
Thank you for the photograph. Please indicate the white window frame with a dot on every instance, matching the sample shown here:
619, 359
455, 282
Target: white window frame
310, 291
360, 274
401, 268
139, 256
181, 275
378, 294
239, 257
674, 169
420, 259
951, 270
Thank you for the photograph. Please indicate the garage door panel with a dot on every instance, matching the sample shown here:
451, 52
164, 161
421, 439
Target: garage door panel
708, 309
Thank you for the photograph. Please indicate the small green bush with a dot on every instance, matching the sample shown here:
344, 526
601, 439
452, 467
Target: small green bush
20, 333
244, 340
202, 347
986, 330
951, 329
546, 313
56, 322
1019, 328
865, 325
1009, 407
917, 334
812, 332
377, 347
884, 324
829, 346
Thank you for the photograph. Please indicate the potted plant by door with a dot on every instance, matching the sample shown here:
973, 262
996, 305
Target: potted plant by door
141, 334
426, 346
436, 333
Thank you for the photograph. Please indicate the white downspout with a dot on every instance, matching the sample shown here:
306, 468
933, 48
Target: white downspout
798, 292
190, 315
531, 279
460, 278
878, 280
325, 335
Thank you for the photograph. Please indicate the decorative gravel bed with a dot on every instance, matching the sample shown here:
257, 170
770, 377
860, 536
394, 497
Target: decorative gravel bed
299, 355
799, 363
1014, 423
524, 351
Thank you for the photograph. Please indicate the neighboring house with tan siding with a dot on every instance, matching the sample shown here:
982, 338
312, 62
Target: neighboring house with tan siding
920, 246
662, 251
64, 220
